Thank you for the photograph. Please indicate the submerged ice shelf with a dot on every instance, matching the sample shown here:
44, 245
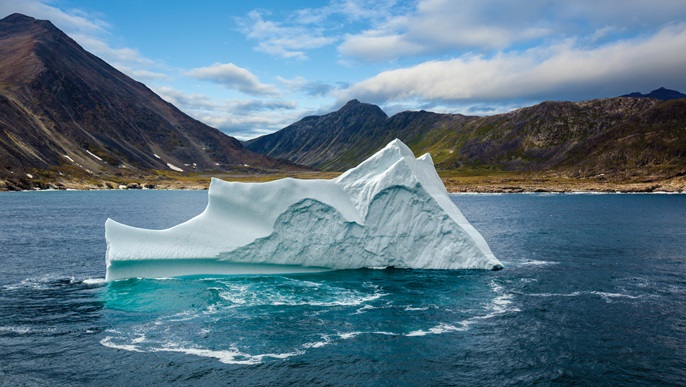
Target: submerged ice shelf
391, 210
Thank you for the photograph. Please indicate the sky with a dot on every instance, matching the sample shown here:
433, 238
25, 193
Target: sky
250, 68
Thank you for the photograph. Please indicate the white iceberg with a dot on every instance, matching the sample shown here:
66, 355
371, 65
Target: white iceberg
391, 210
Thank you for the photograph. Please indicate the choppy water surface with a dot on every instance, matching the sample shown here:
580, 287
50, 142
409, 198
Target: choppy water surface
593, 293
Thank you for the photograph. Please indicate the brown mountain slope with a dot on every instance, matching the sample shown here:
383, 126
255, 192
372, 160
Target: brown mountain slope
620, 136
61, 106
615, 136
344, 138
326, 142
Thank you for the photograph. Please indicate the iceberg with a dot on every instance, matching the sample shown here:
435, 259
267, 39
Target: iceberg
391, 210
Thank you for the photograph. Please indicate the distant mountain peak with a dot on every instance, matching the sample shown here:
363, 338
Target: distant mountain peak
18, 24
23, 21
17, 18
353, 103
661, 93
354, 106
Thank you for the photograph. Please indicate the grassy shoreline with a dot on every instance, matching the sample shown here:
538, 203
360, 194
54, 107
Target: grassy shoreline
528, 183
454, 182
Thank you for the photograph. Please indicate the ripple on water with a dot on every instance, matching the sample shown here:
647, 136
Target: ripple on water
250, 320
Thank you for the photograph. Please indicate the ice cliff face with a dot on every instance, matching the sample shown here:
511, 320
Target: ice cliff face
391, 210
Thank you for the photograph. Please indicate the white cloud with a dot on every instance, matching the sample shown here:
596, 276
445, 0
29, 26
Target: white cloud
143, 74
349, 10
241, 118
454, 27
444, 25
101, 48
187, 101
247, 119
277, 39
311, 88
563, 70
375, 46
310, 28
253, 106
233, 77
244, 127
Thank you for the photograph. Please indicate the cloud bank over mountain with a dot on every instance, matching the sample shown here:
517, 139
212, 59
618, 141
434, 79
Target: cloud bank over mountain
289, 61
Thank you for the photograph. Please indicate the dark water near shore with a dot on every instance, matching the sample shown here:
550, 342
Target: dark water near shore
593, 292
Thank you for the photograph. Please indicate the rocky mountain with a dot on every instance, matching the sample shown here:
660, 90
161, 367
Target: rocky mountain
65, 110
327, 142
661, 94
620, 137
342, 139
615, 136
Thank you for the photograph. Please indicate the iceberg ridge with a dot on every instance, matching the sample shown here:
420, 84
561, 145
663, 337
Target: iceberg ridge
391, 210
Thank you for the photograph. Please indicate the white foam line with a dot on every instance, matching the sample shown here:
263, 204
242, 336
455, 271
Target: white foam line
326, 340
236, 296
499, 305
231, 356
410, 308
385, 333
349, 335
40, 283
364, 309
605, 295
353, 302
236, 299
310, 283
573, 294
94, 281
139, 339
181, 316
16, 329
226, 357
539, 263
107, 342
437, 330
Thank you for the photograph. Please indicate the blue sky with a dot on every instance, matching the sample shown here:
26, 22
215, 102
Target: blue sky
252, 67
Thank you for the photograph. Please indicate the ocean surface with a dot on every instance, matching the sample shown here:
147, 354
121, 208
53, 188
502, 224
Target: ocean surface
593, 293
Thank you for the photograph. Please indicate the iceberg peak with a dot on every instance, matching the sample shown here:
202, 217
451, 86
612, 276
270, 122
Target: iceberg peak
391, 210
426, 158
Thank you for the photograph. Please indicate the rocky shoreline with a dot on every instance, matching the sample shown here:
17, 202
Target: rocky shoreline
477, 184
521, 185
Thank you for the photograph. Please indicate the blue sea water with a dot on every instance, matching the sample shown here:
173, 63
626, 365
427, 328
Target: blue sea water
593, 292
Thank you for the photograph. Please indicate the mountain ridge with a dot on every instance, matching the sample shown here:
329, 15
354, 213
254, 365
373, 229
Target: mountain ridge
66, 110
661, 93
552, 136
351, 121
